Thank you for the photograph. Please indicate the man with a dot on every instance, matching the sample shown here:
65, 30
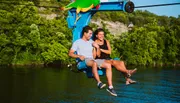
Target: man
84, 49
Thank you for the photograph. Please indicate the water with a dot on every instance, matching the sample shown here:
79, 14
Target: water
60, 85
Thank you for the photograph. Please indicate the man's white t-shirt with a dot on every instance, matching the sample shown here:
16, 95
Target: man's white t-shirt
83, 48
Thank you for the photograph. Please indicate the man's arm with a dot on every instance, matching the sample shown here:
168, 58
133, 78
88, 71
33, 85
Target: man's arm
71, 54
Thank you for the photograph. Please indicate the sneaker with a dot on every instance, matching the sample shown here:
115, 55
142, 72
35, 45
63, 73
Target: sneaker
101, 85
112, 91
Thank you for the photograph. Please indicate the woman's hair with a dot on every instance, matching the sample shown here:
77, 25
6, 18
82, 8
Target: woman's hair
96, 33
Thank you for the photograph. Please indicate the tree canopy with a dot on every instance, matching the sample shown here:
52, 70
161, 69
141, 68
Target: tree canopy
28, 38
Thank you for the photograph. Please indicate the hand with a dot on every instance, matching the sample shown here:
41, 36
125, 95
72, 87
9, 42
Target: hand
81, 57
95, 45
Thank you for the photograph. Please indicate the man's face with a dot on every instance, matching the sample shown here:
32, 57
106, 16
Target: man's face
88, 35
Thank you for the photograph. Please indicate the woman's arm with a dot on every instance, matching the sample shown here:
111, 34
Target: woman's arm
96, 52
109, 48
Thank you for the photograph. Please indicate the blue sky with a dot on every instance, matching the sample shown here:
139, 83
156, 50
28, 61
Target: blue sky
173, 10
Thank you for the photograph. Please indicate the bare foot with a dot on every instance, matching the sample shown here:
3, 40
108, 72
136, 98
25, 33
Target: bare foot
129, 81
130, 72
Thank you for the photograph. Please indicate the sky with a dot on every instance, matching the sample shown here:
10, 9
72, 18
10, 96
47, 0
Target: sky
173, 10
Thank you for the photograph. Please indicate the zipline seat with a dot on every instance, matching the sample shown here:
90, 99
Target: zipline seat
85, 17
88, 70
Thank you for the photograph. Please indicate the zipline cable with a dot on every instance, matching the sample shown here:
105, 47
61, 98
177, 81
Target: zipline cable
157, 5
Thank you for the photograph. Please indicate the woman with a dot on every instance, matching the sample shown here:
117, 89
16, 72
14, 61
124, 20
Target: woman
104, 52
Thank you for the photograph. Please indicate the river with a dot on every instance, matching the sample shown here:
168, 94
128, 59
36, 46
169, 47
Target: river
61, 85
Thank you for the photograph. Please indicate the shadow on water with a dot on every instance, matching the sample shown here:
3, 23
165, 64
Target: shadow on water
60, 85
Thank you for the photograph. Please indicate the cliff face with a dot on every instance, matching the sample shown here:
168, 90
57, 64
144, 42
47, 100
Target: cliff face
115, 28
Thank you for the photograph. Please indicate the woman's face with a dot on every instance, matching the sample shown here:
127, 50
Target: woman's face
100, 35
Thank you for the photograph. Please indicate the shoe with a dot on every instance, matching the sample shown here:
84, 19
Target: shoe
101, 85
111, 91
130, 72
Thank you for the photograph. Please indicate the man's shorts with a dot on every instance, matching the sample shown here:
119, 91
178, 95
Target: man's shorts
88, 59
98, 61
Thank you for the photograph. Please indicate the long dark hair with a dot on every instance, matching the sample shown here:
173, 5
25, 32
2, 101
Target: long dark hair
96, 33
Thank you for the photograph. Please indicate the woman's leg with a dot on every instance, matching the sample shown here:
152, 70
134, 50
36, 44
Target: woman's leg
120, 66
128, 80
108, 67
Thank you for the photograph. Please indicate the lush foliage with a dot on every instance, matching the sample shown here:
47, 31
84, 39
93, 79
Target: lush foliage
149, 44
28, 38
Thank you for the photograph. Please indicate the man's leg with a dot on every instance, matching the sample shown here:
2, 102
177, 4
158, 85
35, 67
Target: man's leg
93, 64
